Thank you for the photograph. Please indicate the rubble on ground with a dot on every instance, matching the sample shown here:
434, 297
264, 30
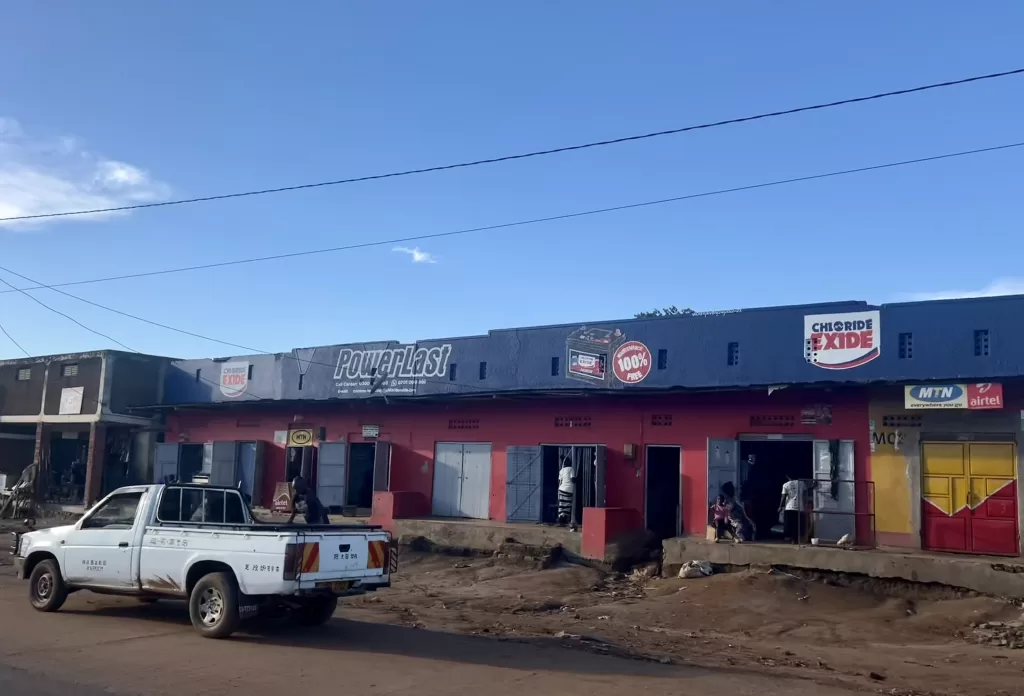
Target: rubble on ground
1005, 634
696, 569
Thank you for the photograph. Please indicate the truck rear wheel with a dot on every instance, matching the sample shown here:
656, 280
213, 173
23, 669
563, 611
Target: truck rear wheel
47, 590
316, 611
213, 605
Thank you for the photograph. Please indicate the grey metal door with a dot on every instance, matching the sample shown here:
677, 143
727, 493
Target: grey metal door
524, 466
834, 490
332, 473
723, 466
447, 479
382, 466
224, 463
600, 476
165, 462
475, 483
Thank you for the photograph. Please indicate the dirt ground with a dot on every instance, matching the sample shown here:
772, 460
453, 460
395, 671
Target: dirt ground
895, 640
514, 622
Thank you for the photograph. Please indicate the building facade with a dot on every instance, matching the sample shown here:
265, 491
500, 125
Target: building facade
72, 417
871, 405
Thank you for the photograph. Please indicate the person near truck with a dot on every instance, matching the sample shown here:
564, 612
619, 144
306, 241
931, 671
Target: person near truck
315, 512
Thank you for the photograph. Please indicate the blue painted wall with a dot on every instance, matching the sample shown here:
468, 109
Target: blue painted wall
200, 381
767, 348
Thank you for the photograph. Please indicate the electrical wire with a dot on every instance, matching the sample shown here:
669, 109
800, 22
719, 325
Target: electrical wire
66, 316
520, 223
181, 331
526, 155
11, 339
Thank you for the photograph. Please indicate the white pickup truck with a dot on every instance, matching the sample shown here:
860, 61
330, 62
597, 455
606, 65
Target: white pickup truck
200, 543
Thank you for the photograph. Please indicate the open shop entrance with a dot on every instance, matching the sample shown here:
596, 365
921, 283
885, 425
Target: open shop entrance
763, 469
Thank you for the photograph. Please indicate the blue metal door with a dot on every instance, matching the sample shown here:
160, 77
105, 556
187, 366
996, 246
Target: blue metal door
524, 467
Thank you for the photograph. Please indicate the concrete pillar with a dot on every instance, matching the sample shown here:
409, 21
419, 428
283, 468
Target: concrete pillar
41, 459
95, 461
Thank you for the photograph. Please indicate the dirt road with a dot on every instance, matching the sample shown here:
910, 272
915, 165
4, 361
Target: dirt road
107, 645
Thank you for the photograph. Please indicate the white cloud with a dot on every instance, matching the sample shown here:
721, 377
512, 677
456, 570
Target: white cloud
52, 175
1001, 286
417, 255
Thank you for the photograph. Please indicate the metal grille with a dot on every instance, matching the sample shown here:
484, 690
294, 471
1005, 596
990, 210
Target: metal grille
69, 370
661, 419
464, 424
572, 422
772, 421
24, 374
901, 421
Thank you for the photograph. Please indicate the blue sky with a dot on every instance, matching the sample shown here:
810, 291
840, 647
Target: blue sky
123, 102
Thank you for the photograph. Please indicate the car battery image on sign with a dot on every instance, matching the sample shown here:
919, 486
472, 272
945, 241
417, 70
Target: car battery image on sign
588, 352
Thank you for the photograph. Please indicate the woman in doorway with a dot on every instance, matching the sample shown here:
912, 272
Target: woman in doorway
566, 487
742, 528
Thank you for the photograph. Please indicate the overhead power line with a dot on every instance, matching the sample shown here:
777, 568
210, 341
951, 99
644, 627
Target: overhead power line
519, 223
11, 339
527, 155
177, 330
92, 330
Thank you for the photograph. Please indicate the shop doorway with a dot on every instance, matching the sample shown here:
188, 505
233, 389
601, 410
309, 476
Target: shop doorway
587, 462
969, 492
663, 499
763, 468
361, 457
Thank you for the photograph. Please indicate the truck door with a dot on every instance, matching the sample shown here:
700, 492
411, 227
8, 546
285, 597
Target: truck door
99, 551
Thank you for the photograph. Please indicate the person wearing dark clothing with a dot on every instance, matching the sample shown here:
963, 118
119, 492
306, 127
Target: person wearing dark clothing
742, 527
304, 497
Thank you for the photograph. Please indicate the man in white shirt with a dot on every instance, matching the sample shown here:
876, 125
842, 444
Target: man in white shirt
791, 507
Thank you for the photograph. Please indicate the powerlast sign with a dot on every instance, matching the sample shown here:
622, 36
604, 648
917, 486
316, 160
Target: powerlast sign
842, 341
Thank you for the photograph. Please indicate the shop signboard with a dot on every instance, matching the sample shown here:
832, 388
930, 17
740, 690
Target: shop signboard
974, 397
234, 378
842, 341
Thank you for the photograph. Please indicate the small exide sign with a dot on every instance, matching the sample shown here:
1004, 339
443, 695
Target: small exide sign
975, 397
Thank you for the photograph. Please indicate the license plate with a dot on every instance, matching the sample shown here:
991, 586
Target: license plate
340, 586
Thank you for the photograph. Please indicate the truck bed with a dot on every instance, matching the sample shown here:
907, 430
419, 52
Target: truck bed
278, 527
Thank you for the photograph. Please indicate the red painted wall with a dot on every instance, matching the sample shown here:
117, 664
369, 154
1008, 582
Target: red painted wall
414, 428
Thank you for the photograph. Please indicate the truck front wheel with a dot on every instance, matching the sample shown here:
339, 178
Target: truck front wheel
47, 590
316, 611
213, 605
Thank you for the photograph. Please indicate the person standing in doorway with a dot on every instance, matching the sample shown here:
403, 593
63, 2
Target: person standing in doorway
791, 506
566, 488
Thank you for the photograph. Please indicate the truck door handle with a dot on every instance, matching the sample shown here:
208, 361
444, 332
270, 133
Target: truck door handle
123, 545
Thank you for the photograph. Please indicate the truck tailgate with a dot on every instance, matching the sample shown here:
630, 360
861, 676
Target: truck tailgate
344, 555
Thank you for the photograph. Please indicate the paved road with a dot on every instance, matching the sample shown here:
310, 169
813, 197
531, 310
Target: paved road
99, 645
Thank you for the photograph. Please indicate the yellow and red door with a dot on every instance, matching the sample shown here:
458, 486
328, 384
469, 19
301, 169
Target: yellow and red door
969, 495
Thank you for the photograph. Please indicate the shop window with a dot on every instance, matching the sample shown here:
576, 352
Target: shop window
69, 370
906, 346
733, 356
981, 344
662, 359
554, 366
24, 374
483, 370
453, 371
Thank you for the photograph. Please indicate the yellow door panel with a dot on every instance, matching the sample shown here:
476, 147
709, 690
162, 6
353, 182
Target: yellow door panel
992, 485
943, 459
959, 498
940, 501
997, 460
935, 485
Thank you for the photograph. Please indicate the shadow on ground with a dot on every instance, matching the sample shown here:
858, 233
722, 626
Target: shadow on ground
546, 654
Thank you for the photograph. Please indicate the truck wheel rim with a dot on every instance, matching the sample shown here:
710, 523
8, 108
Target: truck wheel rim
44, 586
211, 606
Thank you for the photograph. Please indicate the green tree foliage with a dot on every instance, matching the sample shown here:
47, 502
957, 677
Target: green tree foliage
672, 311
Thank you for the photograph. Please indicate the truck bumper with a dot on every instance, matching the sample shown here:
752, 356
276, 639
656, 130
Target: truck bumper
19, 567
